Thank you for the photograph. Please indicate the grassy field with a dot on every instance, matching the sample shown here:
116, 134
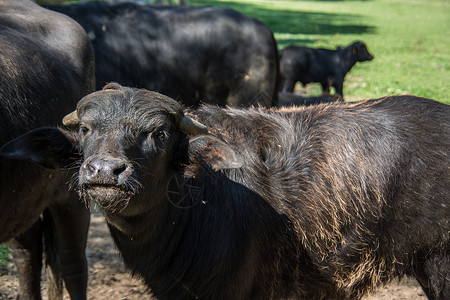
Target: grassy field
410, 39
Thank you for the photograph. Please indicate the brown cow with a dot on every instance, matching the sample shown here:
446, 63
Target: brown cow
319, 202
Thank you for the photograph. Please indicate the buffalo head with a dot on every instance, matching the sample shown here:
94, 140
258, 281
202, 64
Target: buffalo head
360, 52
128, 144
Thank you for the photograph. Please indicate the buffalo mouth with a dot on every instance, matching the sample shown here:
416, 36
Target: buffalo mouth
110, 198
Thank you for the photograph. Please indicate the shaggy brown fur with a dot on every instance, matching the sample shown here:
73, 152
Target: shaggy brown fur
321, 202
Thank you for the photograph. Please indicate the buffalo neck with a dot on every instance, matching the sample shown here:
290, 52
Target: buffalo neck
348, 60
175, 246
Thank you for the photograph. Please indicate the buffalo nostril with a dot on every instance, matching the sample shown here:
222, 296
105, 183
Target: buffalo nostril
91, 168
119, 170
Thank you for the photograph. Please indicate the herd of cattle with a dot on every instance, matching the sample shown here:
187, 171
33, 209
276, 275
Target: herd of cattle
232, 199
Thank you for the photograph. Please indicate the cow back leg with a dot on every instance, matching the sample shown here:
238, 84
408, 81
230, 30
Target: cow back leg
338, 85
66, 230
288, 85
325, 87
26, 250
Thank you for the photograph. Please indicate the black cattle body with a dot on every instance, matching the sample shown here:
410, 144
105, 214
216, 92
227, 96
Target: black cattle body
319, 202
286, 99
328, 67
46, 66
193, 54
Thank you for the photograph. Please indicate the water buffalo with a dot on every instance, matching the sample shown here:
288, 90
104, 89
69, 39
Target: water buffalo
193, 54
319, 202
46, 66
328, 67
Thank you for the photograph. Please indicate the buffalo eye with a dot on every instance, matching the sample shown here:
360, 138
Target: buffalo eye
160, 134
84, 130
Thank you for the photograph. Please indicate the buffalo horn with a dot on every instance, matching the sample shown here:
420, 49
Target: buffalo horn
191, 126
71, 119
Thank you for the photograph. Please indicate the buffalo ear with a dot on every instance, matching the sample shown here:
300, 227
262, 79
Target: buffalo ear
50, 147
215, 153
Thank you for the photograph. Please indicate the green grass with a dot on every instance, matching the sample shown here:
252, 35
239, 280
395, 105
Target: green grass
5, 257
410, 39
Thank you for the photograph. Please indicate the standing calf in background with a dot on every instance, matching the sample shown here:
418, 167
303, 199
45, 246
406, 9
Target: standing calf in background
318, 202
328, 67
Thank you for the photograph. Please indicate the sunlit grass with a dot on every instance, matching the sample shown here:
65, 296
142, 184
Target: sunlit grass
409, 39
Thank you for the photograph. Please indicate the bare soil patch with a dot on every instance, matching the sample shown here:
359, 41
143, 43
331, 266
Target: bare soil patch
109, 280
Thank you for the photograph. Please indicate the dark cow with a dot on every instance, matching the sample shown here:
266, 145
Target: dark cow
46, 66
193, 54
318, 202
290, 99
328, 67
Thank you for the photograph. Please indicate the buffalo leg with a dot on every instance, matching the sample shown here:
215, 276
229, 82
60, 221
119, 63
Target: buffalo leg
325, 88
437, 269
69, 222
338, 85
434, 275
26, 250
288, 85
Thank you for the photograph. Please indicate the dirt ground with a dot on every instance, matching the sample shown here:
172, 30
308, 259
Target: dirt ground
109, 280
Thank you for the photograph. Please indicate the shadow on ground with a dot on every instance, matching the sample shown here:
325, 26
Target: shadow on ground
290, 22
